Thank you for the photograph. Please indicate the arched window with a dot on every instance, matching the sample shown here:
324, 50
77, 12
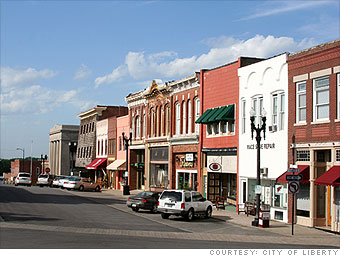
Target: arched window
189, 117
157, 122
137, 127
178, 118
144, 125
101, 147
133, 128
161, 125
152, 115
184, 118
197, 113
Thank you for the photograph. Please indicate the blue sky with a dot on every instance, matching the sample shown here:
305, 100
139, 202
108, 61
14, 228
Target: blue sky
59, 58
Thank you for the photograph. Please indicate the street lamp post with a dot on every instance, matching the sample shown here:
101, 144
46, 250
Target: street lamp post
258, 130
72, 149
23, 157
43, 158
126, 144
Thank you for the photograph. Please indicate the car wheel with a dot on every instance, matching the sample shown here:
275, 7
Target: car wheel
165, 216
154, 208
190, 215
208, 212
41, 186
81, 188
16, 185
97, 189
135, 209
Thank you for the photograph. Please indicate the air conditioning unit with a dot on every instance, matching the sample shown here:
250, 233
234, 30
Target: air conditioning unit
264, 171
273, 128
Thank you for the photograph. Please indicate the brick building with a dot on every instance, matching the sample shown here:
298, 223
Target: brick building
20, 165
219, 130
314, 133
184, 140
86, 147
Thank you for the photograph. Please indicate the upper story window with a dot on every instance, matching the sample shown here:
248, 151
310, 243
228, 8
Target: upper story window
278, 110
257, 105
167, 120
152, 125
184, 118
197, 114
321, 98
337, 155
178, 118
120, 143
243, 116
137, 127
301, 102
189, 117
144, 125
161, 110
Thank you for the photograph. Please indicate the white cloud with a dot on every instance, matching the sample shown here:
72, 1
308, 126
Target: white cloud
139, 65
286, 6
116, 74
82, 72
11, 78
20, 95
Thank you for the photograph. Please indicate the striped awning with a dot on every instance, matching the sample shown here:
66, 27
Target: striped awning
213, 115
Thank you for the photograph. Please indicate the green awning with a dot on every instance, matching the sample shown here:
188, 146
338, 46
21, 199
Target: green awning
212, 115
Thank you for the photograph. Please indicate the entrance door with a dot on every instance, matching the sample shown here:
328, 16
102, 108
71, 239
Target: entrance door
214, 185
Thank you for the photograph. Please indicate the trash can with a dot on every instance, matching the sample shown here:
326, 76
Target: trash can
126, 190
264, 216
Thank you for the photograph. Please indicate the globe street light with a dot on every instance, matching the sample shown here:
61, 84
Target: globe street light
126, 145
258, 130
23, 157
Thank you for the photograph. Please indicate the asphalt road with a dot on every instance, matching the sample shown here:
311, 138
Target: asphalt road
50, 218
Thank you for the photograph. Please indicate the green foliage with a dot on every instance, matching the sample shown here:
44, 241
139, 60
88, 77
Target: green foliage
5, 165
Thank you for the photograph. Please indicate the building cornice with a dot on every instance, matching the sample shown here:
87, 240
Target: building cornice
98, 110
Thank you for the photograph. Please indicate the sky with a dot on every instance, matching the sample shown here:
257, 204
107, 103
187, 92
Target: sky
59, 58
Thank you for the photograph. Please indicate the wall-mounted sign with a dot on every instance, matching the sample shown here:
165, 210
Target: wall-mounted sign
262, 146
215, 167
185, 163
189, 157
258, 189
278, 189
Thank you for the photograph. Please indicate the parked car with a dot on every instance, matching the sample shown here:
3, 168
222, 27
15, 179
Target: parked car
71, 182
62, 181
23, 178
184, 203
45, 180
55, 182
146, 200
87, 184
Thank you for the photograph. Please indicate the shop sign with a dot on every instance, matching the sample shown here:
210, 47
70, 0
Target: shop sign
262, 146
185, 163
215, 167
189, 157
278, 189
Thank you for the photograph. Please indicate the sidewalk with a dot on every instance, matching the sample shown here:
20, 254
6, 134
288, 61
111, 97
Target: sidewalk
245, 221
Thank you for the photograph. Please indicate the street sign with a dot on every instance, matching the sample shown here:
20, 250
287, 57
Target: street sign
293, 170
293, 187
47, 170
278, 189
293, 166
258, 189
293, 177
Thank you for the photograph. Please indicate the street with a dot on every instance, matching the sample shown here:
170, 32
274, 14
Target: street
52, 218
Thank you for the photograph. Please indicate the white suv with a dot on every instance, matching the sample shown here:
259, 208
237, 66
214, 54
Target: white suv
183, 203
23, 178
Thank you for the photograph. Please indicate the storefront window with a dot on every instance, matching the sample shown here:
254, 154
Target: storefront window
186, 180
303, 200
159, 176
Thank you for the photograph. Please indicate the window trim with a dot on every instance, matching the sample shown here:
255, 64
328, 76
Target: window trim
338, 95
315, 119
297, 102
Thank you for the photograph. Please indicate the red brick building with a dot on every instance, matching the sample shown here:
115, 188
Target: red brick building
314, 133
219, 134
20, 165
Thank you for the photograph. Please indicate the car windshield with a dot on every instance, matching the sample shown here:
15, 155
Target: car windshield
145, 193
26, 175
43, 176
74, 179
177, 196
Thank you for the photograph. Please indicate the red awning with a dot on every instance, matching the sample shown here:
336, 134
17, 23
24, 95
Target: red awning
96, 164
329, 178
304, 171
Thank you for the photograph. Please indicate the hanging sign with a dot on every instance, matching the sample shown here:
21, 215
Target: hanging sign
278, 189
258, 189
215, 167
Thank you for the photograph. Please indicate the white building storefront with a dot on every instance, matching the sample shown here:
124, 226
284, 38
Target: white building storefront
264, 86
